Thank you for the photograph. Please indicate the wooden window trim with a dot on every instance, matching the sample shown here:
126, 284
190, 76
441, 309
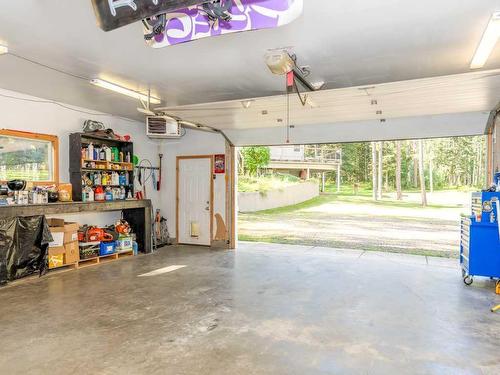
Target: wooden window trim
40, 137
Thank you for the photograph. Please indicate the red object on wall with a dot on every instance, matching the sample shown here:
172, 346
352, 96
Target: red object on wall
220, 163
290, 80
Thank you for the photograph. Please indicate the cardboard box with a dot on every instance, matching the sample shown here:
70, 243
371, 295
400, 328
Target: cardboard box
71, 252
124, 243
57, 231
56, 256
56, 260
89, 249
62, 232
70, 232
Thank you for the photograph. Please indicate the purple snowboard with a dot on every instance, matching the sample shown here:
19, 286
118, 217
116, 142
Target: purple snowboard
191, 23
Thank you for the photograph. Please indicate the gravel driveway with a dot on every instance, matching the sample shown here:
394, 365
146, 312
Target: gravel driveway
359, 223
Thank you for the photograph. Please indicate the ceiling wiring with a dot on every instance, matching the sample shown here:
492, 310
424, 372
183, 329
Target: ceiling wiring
63, 106
48, 67
53, 102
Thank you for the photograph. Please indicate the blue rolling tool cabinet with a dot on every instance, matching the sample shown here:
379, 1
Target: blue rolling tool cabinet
480, 238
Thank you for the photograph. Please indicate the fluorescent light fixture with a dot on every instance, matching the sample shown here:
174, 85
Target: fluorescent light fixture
488, 42
122, 90
3, 49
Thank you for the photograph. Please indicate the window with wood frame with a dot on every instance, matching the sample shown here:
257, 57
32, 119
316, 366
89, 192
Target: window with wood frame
29, 156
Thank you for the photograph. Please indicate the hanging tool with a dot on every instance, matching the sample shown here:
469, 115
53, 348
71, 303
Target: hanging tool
148, 167
159, 174
153, 178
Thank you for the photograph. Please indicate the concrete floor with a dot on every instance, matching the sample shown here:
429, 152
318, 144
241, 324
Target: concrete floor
266, 309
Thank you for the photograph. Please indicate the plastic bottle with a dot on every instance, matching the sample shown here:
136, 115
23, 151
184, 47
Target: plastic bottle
116, 156
99, 194
98, 179
121, 157
90, 152
123, 193
90, 194
127, 157
108, 154
102, 153
108, 195
104, 178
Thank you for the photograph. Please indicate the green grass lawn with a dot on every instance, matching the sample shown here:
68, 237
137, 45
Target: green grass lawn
331, 220
263, 184
9, 174
346, 198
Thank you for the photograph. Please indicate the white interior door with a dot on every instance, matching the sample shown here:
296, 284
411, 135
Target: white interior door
194, 205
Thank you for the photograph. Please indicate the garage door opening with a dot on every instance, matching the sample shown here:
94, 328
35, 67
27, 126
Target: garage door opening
393, 196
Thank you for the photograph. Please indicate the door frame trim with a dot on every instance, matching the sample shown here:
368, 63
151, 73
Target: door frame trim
178, 159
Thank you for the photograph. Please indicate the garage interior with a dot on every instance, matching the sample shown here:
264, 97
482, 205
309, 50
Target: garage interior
118, 249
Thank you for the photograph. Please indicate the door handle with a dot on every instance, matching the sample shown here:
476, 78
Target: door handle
208, 206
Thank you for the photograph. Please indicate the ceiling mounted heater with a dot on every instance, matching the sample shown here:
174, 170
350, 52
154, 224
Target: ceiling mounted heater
162, 127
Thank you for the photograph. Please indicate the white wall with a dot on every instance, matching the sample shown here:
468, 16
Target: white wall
193, 143
53, 119
287, 196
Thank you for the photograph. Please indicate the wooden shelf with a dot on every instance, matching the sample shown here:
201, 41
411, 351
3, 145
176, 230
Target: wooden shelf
72, 207
95, 137
77, 166
126, 167
127, 185
104, 170
107, 161
137, 212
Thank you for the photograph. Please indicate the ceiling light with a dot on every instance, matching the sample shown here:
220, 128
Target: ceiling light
488, 42
122, 90
3, 49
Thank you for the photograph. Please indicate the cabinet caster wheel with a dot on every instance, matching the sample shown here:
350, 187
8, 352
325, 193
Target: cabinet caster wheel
468, 280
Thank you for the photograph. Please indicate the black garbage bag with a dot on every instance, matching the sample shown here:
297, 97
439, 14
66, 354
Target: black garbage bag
23, 246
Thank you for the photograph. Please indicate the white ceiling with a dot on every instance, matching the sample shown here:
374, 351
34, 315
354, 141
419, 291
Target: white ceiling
346, 42
459, 93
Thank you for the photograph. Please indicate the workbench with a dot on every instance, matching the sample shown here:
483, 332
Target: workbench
138, 213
